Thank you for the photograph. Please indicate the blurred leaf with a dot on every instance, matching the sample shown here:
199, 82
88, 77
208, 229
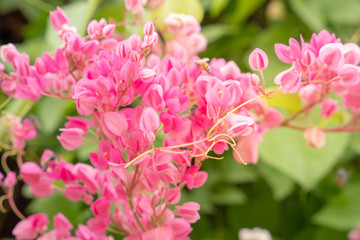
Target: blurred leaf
355, 142
228, 195
92, 6
51, 112
286, 150
342, 12
214, 32
311, 12
233, 172
192, 7
342, 212
58, 203
217, 7
289, 102
114, 10
329, 234
244, 9
281, 184
77, 12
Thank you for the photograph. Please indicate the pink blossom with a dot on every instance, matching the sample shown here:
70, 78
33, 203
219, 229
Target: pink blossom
188, 211
31, 172
10, 180
31, 227
328, 107
159, 233
258, 60
290, 81
58, 18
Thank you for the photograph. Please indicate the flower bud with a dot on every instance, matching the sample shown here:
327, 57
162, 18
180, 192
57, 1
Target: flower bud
315, 137
258, 60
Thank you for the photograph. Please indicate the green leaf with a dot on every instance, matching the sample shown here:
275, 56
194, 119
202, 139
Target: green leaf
228, 195
217, 7
342, 212
286, 150
114, 10
77, 13
311, 12
214, 32
289, 102
355, 142
281, 184
244, 9
192, 7
51, 112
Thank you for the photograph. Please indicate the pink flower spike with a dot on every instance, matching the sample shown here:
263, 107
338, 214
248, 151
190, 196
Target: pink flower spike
58, 18
258, 60
328, 107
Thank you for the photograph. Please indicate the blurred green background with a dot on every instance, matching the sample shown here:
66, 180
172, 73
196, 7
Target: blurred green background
294, 191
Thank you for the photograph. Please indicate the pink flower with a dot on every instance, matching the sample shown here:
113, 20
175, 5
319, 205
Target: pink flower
328, 107
10, 180
159, 233
58, 18
188, 211
114, 124
31, 172
8, 52
62, 226
71, 138
31, 227
290, 81
258, 60
195, 178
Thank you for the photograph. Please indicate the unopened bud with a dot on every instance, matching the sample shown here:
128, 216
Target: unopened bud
315, 137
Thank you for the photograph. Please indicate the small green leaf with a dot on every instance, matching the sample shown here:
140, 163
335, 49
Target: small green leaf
286, 150
342, 212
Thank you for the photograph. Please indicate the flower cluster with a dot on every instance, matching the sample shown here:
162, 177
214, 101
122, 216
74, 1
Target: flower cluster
186, 108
